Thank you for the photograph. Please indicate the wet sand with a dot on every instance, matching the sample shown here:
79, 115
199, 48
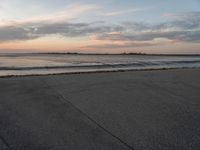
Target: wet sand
141, 110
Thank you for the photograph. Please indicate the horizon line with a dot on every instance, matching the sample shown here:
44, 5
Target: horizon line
123, 53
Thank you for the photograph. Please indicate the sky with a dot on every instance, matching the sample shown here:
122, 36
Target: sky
105, 26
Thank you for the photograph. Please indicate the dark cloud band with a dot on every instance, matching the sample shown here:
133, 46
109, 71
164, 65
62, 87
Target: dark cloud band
185, 27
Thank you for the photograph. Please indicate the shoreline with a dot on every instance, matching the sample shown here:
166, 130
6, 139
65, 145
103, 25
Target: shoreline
97, 72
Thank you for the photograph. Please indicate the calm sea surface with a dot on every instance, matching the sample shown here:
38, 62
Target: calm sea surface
28, 64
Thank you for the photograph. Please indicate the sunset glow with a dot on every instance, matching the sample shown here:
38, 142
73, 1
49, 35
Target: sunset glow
114, 26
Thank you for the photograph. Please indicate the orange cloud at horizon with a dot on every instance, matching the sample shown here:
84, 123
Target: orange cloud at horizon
90, 45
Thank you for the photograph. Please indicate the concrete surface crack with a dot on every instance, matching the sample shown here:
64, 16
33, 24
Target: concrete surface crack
3, 144
64, 100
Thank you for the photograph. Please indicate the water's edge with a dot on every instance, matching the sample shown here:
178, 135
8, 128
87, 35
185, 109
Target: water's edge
100, 71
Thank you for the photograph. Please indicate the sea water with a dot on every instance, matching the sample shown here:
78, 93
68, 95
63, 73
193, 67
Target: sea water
36, 64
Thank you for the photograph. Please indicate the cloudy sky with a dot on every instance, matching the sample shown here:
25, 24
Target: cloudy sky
106, 26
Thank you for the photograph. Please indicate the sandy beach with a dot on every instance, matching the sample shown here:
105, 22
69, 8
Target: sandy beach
140, 110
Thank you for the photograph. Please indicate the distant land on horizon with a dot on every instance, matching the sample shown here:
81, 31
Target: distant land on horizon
124, 53
76, 53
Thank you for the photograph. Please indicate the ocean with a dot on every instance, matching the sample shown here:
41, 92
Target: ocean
40, 64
